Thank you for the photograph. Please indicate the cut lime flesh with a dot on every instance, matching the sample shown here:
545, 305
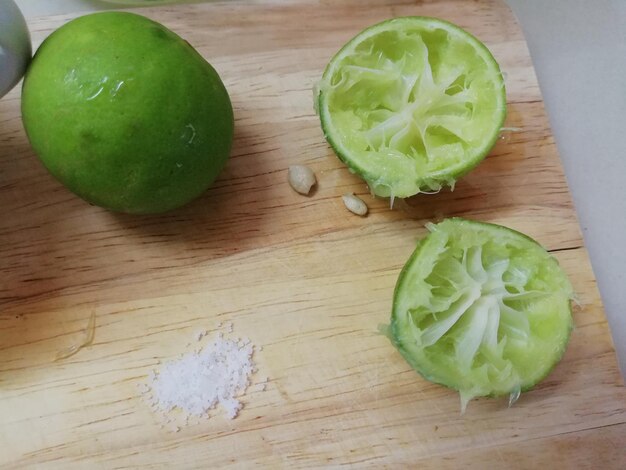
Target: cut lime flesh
411, 104
482, 309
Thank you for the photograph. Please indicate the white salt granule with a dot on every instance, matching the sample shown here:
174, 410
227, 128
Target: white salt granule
199, 381
261, 385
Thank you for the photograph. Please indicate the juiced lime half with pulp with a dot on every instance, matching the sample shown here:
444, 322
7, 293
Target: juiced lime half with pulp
412, 104
482, 309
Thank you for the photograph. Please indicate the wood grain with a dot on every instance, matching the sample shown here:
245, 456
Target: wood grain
298, 275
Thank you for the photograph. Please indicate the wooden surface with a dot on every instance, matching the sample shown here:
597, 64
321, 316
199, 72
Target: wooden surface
300, 276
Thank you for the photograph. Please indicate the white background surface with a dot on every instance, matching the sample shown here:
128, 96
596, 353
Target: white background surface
579, 51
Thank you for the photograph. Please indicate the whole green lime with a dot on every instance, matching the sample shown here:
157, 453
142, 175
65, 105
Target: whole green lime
127, 114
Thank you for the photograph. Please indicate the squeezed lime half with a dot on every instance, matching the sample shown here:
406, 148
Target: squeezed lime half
482, 309
412, 104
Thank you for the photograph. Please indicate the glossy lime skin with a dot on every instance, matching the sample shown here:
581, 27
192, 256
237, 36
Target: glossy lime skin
127, 114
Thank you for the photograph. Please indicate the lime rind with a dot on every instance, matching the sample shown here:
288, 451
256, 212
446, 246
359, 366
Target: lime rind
411, 105
482, 309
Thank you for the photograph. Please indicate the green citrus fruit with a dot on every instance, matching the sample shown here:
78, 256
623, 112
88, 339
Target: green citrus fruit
127, 114
15, 47
412, 104
482, 309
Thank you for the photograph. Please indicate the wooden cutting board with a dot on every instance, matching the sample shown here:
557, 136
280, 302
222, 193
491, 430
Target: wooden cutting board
299, 276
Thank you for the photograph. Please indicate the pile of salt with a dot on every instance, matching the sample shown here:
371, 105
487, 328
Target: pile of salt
199, 381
